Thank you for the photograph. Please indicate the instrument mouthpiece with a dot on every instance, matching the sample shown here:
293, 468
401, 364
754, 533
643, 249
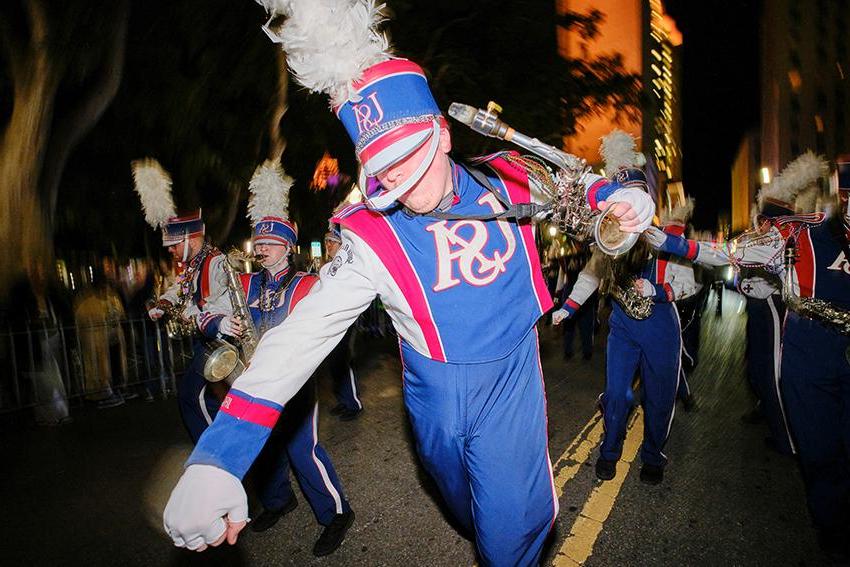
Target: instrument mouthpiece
462, 113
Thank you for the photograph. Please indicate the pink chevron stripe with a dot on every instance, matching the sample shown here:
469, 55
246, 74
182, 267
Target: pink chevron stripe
248, 410
375, 229
594, 189
518, 192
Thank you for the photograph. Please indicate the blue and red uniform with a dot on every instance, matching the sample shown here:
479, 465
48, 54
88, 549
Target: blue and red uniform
816, 368
294, 441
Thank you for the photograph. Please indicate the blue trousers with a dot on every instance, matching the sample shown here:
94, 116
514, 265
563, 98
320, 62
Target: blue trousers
652, 346
294, 442
343, 374
198, 406
816, 388
481, 433
765, 318
584, 319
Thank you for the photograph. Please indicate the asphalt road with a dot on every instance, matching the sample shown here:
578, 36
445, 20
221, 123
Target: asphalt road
92, 492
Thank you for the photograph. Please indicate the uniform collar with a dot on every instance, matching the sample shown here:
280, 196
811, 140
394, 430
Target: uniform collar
279, 277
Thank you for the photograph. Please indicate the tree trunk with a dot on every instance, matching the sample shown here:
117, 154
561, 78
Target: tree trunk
22, 148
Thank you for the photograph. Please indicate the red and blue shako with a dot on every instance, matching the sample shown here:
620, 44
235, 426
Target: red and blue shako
275, 230
390, 116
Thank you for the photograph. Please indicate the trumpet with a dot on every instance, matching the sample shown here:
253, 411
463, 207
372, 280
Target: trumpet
566, 191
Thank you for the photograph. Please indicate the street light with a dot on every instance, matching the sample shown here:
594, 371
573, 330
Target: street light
765, 175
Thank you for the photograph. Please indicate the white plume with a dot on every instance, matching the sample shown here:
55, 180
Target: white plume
153, 184
276, 7
329, 43
618, 151
679, 213
797, 175
269, 188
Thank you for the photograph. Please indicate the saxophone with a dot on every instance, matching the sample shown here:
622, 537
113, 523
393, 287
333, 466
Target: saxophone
223, 359
633, 303
812, 307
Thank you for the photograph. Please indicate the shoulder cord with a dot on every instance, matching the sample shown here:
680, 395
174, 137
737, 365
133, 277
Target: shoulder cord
516, 211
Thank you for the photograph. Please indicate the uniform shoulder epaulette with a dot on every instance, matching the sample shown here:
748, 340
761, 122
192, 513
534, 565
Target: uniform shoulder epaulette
347, 211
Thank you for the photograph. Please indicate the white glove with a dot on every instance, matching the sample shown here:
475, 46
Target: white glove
559, 316
230, 326
636, 212
644, 287
207, 504
155, 313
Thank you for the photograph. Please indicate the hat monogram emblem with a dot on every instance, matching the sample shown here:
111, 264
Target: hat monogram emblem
363, 113
265, 228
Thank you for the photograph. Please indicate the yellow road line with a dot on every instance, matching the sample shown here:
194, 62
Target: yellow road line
578, 546
578, 452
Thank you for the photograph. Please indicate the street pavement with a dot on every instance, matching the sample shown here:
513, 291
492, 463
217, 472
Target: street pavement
93, 492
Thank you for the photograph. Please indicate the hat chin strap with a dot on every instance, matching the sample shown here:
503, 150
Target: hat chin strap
185, 248
386, 199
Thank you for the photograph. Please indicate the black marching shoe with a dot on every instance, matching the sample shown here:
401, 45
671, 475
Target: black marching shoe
270, 517
337, 409
689, 403
605, 470
333, 534
350, 414
651, 474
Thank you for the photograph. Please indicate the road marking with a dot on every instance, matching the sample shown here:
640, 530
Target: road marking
578, 545
578, 452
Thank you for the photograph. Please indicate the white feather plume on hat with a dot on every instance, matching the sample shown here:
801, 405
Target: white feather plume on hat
618, 151
269, 188
801, 173
153, 184
679, 213
329, 43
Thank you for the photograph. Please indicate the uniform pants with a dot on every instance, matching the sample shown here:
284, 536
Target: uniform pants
654, 347
584, 319
764, 347
294, 442
198, 406
343, 375
481, 433
816, 387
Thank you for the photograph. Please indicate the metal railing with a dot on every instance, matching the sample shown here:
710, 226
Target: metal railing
92, 362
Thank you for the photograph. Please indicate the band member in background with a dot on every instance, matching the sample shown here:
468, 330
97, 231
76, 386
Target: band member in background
271, 295
197, 302
345, 380
464, 296
651, 345
678, 272
815, 369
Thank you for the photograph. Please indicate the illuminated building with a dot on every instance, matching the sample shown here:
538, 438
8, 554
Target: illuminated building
805, 94
650, 43
805, 80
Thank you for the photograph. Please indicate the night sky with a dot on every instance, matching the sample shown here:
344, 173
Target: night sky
720, 95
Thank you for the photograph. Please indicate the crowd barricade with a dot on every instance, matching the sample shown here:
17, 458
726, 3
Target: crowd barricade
71, 364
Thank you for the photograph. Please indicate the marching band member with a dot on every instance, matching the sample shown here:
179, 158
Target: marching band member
271, 295
340, 365
815, 354
464, 296
197, 303
652, 344
679, 274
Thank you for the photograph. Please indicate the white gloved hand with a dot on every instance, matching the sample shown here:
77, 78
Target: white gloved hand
634, 208
559, 316
644, 287
155, 313
207, 506
230, 326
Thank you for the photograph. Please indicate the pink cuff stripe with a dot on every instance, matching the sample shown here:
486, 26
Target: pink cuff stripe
249, 409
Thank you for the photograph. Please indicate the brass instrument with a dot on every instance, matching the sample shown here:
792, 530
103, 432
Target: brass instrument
176, 325
633, 303
223, 360
565, 189
812, 307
